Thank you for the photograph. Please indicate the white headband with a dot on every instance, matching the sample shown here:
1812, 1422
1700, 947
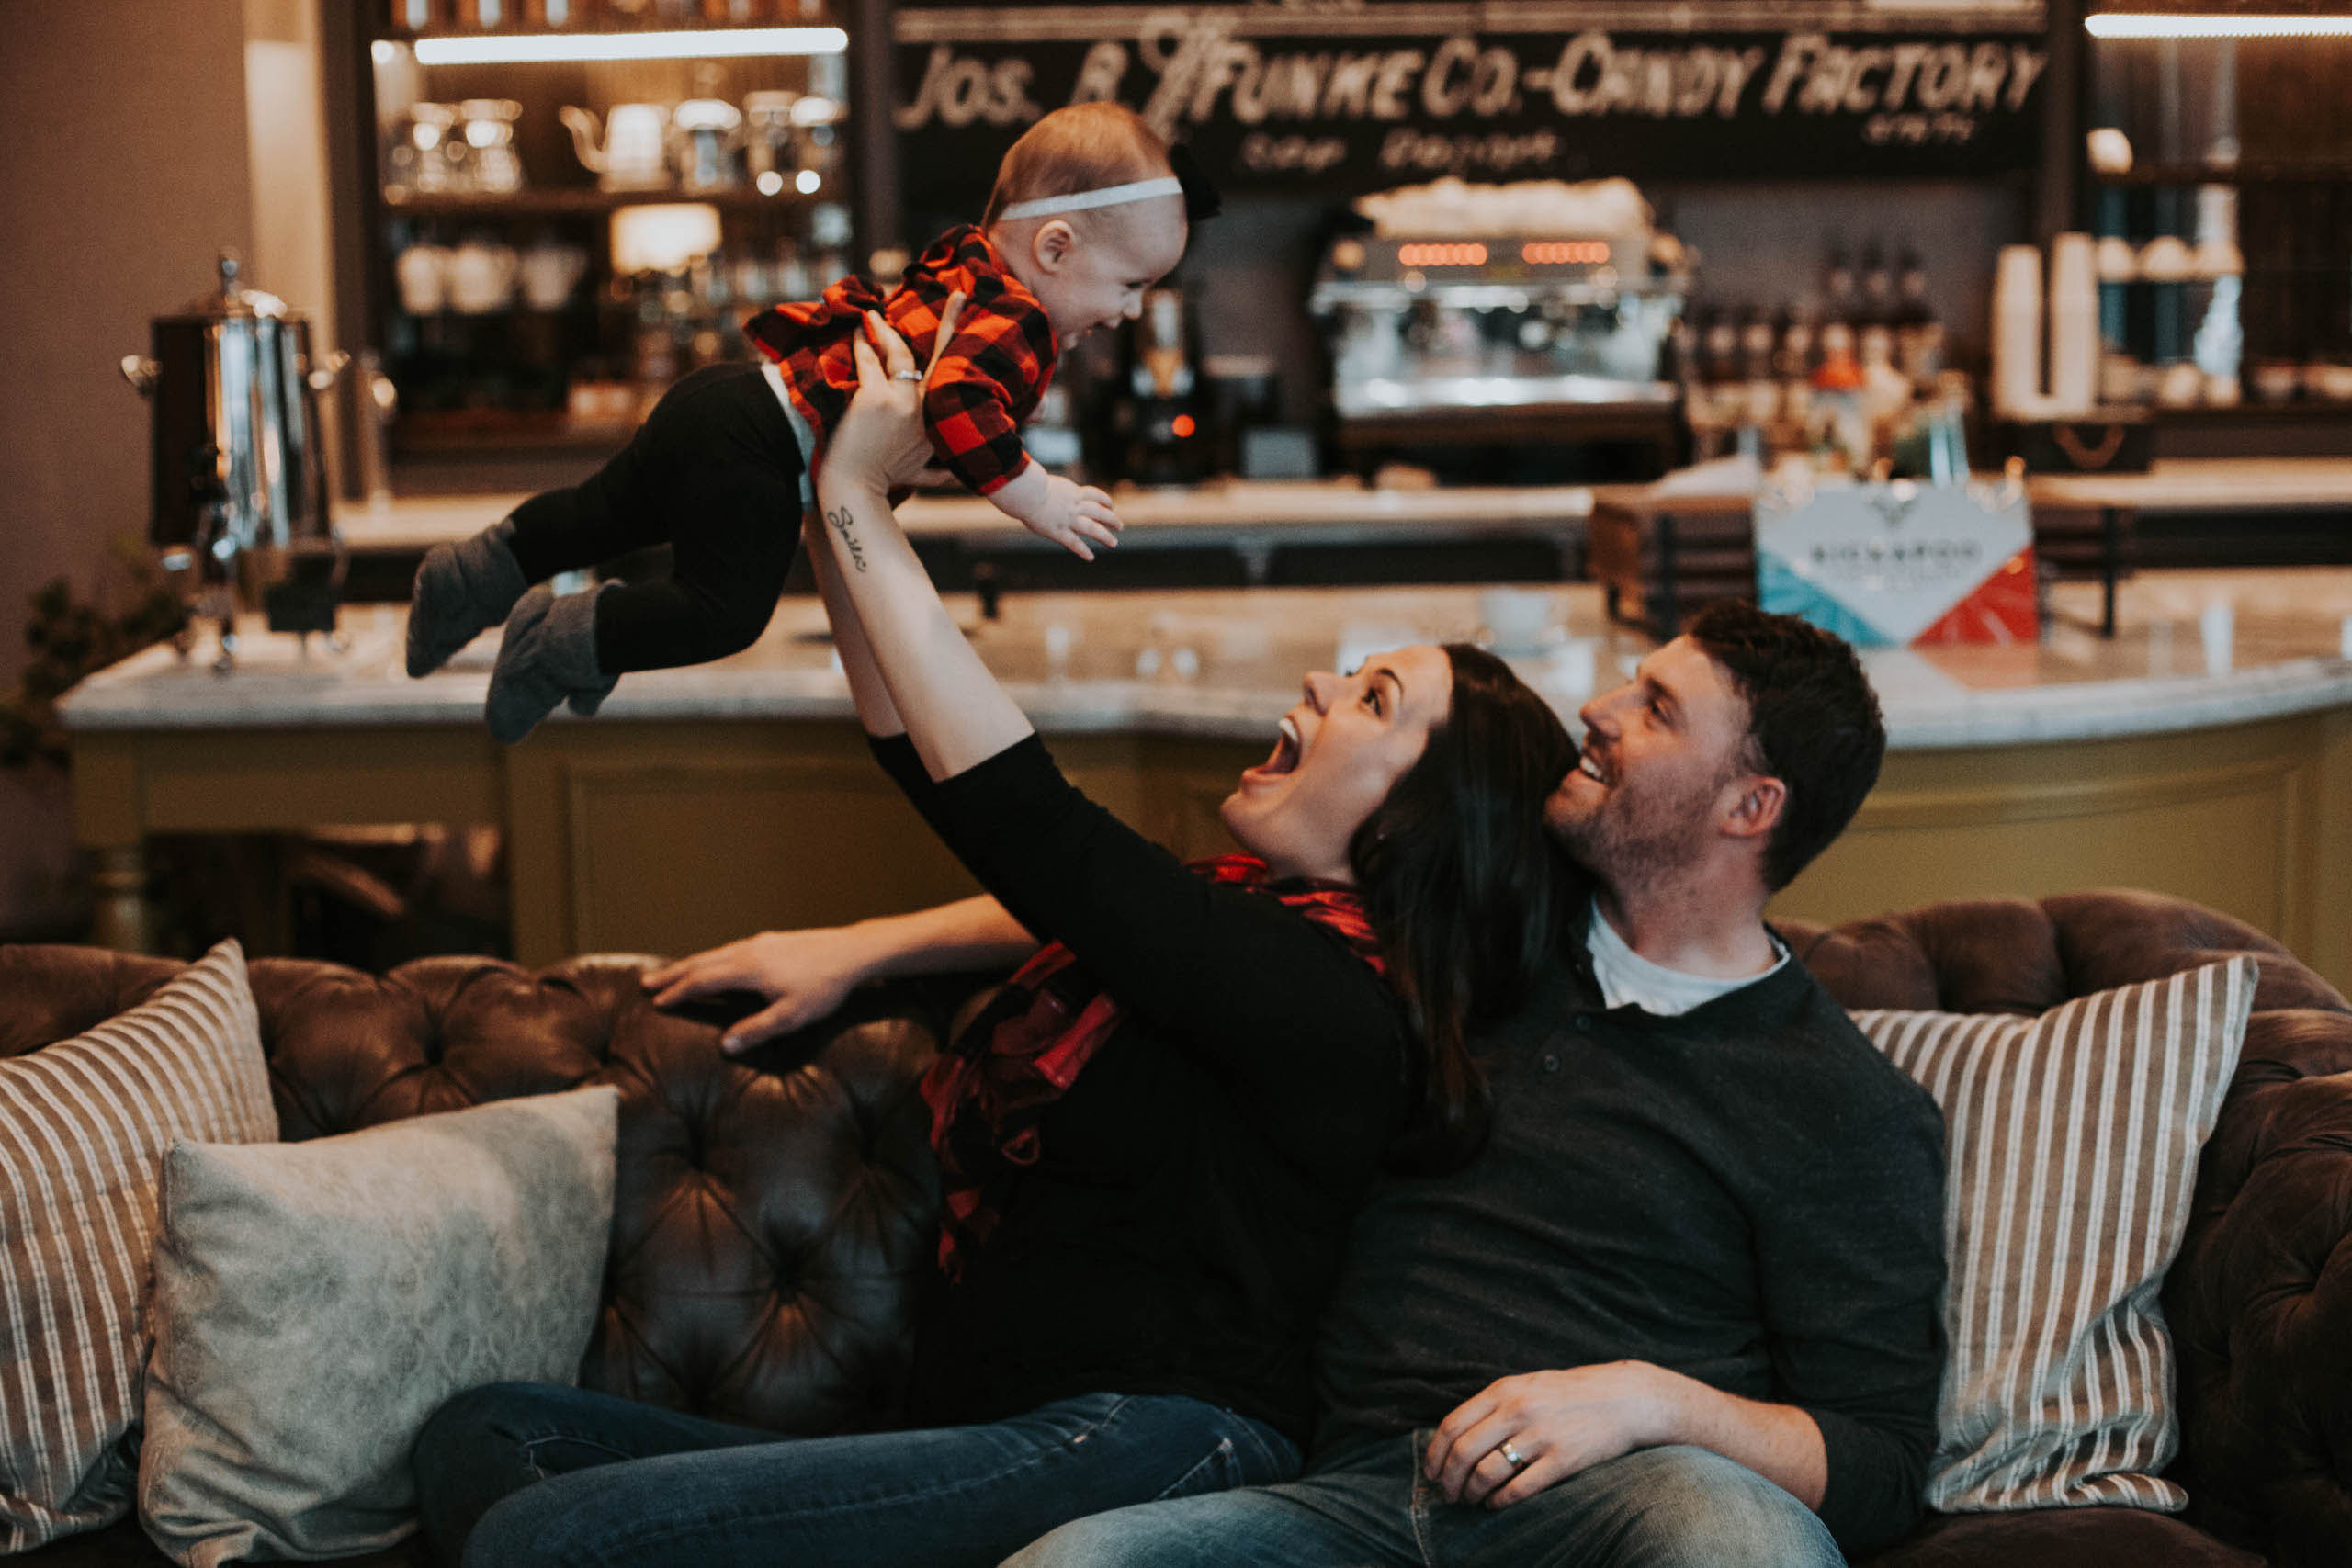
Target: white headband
1109, 196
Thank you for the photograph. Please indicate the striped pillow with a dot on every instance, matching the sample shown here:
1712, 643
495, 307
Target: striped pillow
2071, 1148
84, 1126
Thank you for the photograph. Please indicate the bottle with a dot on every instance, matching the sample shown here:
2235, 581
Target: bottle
1948, 448
1878, 288
1760, 392
1792, 361
1712, 402
1874, 318
1841, 312
1885, 390
1720, 367
1841, 301
1836, 426
1918, 333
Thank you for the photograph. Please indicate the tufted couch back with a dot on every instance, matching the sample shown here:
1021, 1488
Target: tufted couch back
774, 1213
771, 1215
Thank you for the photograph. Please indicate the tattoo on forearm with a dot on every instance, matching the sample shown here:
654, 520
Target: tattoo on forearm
840, 519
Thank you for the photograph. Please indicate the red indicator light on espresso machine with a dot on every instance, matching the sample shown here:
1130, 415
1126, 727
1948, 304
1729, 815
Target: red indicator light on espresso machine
1182, 425
1449, 253
1565, 253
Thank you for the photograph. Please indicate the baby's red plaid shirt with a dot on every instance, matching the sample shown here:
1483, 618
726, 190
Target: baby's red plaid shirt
988, 381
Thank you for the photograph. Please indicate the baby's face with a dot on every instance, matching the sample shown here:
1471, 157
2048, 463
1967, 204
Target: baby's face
1095, 275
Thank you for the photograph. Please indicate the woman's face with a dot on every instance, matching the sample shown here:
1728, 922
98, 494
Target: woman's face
1341, 749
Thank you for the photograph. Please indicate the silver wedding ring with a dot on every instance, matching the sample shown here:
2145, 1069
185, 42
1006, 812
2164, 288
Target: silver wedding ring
906, 375
1512, 1456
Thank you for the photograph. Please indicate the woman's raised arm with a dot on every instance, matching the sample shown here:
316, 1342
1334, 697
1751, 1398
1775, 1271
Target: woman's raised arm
952, 707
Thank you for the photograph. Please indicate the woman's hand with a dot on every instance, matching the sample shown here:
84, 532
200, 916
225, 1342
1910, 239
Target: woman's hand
880, 441
954, 711
803, 975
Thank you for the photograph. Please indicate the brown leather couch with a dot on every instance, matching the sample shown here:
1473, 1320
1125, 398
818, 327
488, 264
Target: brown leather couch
774, 1213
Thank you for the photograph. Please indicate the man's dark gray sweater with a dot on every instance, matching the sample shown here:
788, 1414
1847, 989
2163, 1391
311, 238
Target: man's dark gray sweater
1748, 1194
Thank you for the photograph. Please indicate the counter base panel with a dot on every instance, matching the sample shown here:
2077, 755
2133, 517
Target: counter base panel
665, 838
2254, 820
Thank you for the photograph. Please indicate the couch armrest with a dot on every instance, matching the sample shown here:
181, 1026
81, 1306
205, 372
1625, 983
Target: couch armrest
2260, 1300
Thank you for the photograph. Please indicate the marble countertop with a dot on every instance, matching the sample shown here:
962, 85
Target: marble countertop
1220, 512
2207, 484
1343, 511
2193, 650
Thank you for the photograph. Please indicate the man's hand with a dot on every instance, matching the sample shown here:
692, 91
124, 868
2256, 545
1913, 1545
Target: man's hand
1557, 1424
1069, 513
802, 975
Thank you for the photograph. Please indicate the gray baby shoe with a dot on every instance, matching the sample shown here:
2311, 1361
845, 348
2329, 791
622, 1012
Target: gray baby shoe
549, 656
463, 589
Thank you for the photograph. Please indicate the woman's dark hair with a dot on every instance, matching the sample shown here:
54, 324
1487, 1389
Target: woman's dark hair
1466, 889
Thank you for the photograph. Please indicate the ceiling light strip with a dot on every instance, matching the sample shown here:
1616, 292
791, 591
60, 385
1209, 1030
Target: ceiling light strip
2122, 25
511, 49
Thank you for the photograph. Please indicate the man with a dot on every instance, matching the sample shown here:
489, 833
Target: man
1683, 1309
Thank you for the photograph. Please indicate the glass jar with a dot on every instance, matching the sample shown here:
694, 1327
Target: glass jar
487, 132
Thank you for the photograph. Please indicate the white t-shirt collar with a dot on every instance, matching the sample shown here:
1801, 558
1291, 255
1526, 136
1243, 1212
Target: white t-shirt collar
1626, 978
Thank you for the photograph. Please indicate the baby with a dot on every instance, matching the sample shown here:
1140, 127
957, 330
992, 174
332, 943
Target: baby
1087, 212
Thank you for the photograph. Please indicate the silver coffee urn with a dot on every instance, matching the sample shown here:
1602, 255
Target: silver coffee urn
240, 511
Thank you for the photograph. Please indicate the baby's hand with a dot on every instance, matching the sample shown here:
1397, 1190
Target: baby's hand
1070, 515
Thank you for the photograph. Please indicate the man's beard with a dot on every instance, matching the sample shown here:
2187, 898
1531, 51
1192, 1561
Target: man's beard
1629, 842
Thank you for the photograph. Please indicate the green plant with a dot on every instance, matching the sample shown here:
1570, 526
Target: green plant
69, 639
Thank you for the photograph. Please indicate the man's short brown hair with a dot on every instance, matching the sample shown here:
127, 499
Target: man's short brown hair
1813, 723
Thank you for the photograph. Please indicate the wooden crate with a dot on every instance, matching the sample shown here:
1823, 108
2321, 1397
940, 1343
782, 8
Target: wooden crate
1662, 558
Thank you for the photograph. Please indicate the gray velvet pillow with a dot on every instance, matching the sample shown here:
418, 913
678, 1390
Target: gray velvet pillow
316, 1301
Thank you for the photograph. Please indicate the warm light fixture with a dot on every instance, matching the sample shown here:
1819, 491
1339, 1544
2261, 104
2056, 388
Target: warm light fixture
2124, 25
662, 236
511, 49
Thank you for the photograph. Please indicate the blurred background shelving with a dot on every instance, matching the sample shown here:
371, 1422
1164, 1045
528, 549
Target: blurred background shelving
551, 240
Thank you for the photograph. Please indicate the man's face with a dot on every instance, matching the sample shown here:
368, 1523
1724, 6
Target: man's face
1662, 759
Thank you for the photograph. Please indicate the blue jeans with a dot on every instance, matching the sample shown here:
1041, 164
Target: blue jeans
1370, 1507
521, 1475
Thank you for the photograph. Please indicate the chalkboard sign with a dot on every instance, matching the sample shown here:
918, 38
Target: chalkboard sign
1341, 97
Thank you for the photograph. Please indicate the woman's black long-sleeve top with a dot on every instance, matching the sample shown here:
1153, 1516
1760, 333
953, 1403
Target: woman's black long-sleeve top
1186, 1215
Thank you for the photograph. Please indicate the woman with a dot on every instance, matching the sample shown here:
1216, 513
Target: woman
1149, 1144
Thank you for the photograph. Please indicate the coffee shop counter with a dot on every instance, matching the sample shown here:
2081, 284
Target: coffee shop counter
1250, 518
1238, 507
2206, 751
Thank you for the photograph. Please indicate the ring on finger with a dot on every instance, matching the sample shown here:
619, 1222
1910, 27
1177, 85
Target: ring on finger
1512, 1456
906, 375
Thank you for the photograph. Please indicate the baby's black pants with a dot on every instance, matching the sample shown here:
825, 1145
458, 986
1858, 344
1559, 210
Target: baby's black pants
715, 473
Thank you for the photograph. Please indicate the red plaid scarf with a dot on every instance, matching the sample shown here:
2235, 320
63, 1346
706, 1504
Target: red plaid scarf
989, 1093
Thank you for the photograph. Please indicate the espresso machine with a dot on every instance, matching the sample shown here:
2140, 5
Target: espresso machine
240, 497
1518, 332
1156, 418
